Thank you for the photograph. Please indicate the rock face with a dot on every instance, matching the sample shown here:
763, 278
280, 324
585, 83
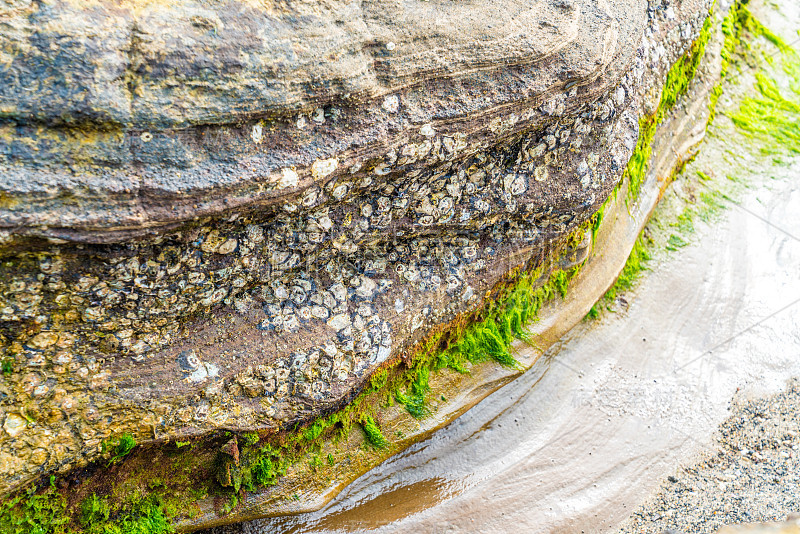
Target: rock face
122, 120
228, 215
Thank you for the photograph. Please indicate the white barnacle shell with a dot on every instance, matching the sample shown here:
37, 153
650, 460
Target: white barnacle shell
340, 191
192, 360
257, 133
289, 178
391, 103
382, 170
310, 197
320, 312
515, 184
323, 167
427, 130
445, 204
255, 233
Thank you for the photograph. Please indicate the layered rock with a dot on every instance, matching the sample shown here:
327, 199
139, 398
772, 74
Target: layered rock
228, 216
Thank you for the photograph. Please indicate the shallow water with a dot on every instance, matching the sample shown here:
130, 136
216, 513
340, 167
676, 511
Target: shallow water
579, 441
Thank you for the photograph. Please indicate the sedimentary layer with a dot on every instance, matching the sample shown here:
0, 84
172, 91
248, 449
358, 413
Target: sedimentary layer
227, 218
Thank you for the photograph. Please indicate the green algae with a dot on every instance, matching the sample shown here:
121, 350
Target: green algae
676, 85
35, 512
414, 397
46, 512
373, 433
737, 19
120, 448
771, 117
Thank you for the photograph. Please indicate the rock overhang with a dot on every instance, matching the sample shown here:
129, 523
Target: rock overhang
147, 115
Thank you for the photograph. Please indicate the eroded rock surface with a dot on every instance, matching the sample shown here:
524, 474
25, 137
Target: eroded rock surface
227, 215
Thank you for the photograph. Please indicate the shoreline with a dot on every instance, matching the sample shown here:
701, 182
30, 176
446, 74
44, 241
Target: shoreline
751, 475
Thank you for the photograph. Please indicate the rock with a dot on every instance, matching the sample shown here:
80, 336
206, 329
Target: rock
231, 448
199, 200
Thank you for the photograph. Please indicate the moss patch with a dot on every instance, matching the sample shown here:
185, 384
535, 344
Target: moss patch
677, 83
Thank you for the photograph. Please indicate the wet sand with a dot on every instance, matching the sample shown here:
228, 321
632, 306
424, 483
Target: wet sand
752, 475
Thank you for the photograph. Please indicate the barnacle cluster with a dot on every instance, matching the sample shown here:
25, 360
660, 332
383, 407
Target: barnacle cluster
324, 287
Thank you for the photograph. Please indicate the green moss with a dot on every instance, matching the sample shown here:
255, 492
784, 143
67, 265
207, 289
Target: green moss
373, 433
94, 510
675, 242
637, 262
414, 397
143, 517
120, 447
732, 26
683, 71
771, 117
45, 512
34, 512
677, 83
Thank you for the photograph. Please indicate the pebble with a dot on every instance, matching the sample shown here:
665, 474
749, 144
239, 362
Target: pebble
751, 476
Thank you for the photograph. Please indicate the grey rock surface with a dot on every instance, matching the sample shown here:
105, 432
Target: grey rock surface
118, 119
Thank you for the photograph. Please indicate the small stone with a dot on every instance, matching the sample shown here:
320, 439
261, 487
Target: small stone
427, 130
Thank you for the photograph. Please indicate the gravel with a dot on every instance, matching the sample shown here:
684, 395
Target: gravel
753, 475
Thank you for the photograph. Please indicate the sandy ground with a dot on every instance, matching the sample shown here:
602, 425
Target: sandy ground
754, 474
